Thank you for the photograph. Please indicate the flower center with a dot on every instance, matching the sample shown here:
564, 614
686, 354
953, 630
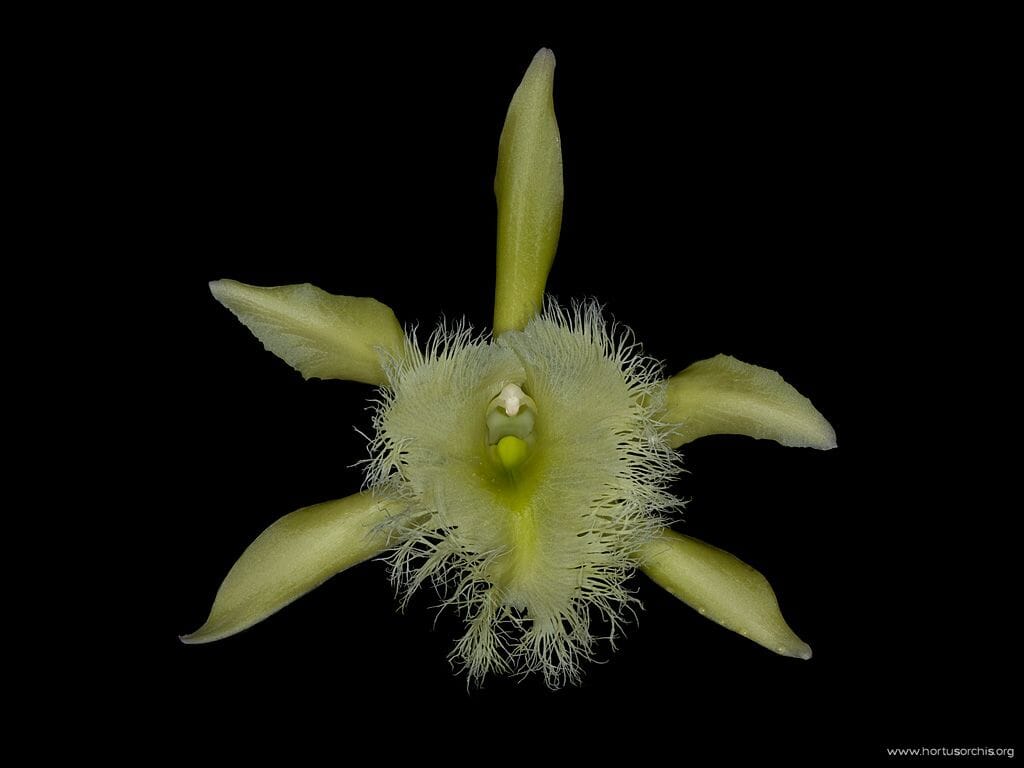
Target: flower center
510, 418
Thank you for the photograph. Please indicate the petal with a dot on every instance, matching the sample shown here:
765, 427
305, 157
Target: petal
722, 588
294, 555
723, 396
317, 333
528, 186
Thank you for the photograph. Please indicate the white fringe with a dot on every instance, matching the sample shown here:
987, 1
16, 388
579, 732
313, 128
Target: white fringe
599, 490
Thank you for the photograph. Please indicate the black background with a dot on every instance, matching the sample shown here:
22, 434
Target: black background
765, 192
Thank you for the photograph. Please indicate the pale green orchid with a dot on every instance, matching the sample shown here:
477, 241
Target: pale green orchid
525, 473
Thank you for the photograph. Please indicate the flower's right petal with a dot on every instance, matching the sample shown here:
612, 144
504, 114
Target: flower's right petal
319, 334
293, 556
723, 588
528, 186
725, 396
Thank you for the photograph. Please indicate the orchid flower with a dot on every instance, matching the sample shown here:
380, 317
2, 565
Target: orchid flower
524, 473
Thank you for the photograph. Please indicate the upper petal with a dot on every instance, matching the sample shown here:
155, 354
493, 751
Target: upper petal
724, 396
319, 334
295, 554
528, 185
721, 587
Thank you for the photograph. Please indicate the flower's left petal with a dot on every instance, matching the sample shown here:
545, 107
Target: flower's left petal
725, 396
293, 556
318, 334
721, 587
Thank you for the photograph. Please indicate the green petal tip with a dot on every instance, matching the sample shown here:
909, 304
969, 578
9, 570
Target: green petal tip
723, 588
